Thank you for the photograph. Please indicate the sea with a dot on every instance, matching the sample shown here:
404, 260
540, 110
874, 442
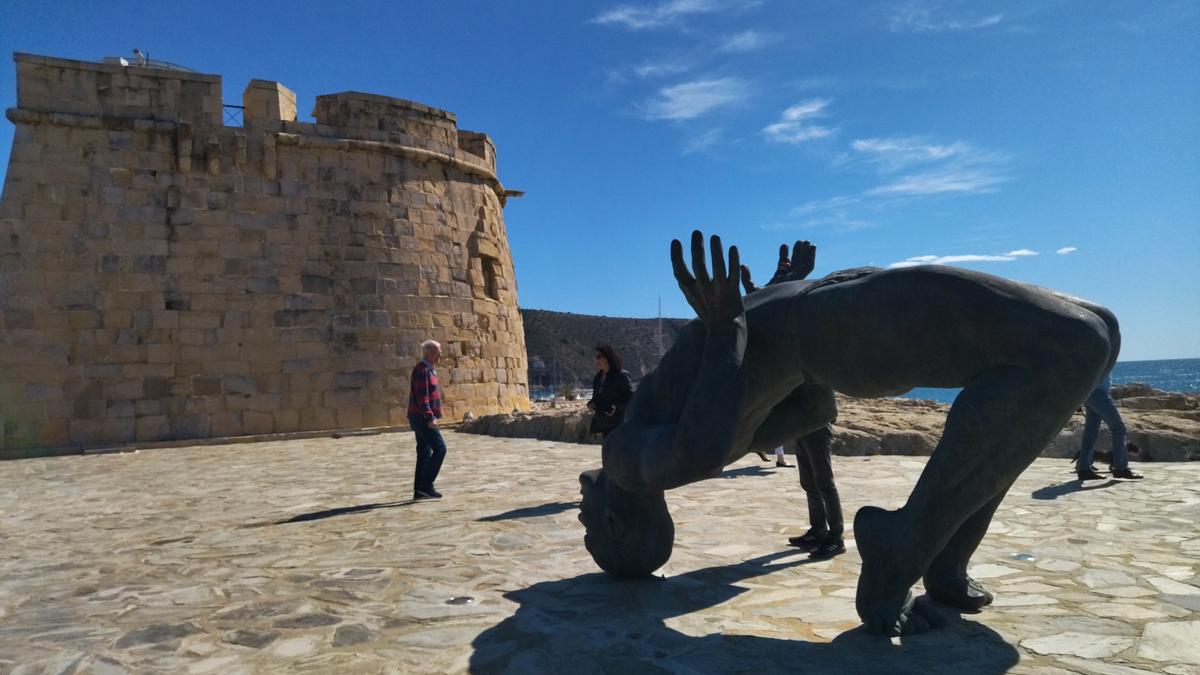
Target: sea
1166, 375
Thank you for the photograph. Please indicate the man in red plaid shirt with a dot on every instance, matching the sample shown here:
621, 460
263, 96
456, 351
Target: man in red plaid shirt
424, 411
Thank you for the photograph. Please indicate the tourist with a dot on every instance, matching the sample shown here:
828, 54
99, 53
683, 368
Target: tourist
824, 536
424, 411
1098, 407
780, 457
612, 387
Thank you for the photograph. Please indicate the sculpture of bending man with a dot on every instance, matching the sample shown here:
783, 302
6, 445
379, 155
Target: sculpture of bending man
755, 371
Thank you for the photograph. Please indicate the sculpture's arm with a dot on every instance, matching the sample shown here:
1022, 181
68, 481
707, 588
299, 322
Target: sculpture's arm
641, 456
799, 266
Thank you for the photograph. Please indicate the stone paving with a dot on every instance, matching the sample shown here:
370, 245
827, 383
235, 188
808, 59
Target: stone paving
307, 556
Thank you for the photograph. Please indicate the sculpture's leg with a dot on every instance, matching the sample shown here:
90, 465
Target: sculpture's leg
997, 426
946, 580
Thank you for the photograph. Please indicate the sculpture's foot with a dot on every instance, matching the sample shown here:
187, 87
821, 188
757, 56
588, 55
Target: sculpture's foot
961, 592
889, 569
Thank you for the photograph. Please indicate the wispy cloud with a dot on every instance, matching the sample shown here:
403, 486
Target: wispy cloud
1066, 250
951, 259
824, 205
917, 17
661, 68
636, 17
952, 180
692, 99
894, 154
746, 41
794, 125
703, 142
956, 167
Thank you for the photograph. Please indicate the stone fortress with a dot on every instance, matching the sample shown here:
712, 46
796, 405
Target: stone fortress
164, 276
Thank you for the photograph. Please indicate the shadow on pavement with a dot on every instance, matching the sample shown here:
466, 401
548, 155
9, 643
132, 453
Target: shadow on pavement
595, 623
1076, 485
531, 511
330, 513
748, 471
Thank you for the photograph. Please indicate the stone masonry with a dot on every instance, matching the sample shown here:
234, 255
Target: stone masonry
164, 276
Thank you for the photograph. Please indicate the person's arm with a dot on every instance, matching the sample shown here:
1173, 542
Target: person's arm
641, 456
622, 384
425, 395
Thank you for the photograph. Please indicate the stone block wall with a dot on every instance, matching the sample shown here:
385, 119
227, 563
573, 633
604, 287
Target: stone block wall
165, 277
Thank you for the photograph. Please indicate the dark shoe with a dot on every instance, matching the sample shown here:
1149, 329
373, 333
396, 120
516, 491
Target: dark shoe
1126, 474
427, 494
763, 457
1090, 474
783, 463
808, 541
828, 549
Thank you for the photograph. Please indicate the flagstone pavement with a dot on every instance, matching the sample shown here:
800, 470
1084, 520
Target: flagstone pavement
308, 556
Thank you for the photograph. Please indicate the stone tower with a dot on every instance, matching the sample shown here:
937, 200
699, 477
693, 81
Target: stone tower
164, 276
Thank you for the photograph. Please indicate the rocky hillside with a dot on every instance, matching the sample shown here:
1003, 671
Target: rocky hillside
1165, 426
561, 345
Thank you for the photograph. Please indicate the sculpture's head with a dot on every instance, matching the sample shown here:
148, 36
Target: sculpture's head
628, 534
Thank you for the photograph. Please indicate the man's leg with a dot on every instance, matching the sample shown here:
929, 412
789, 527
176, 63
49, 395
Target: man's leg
1101, 404
817, 521
438, 454
818, 445
1087, 445
424, 451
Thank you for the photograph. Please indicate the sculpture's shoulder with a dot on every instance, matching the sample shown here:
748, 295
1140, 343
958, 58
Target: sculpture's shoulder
841, 277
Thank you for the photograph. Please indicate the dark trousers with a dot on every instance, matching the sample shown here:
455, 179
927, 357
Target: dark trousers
816, 477
431, 450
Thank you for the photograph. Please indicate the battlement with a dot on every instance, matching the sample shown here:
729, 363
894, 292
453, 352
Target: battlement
112, 92
48, 84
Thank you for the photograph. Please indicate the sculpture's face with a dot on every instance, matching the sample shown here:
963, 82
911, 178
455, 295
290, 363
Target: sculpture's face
628, 535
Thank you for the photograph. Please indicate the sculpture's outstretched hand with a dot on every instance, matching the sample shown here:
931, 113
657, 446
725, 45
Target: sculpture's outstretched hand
799, 266
716, 299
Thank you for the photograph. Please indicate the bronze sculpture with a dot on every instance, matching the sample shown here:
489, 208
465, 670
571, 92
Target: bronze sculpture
755, 371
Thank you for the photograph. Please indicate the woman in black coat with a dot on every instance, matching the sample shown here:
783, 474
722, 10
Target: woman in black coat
611, 390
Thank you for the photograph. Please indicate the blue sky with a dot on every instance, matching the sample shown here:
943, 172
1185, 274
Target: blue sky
1054, 142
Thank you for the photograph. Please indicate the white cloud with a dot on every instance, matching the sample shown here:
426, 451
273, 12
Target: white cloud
702, 142
951, 180
667, 13
822, 205
793, 125
926, 18
746, 41
893, 154
1066, 249
692, 99
971, 257
661, 68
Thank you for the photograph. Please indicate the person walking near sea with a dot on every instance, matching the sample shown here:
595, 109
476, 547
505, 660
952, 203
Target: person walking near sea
1098, 407
424, 411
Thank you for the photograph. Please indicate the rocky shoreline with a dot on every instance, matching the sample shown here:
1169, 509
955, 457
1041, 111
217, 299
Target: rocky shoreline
1164, 425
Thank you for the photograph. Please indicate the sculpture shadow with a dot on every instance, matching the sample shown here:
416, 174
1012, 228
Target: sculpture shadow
748, 471
595, 623
531, 511
344, 510
1055, 491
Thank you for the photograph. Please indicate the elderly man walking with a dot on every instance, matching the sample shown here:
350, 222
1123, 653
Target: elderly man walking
424, 411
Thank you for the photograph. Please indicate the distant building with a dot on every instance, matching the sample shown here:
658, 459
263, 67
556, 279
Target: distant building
165, 276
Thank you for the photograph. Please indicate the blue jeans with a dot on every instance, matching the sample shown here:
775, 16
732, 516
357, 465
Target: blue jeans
1098, 407
431, 450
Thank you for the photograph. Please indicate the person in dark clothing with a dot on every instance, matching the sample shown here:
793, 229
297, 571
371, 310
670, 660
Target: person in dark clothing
611, 390
824, 536
424, 411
